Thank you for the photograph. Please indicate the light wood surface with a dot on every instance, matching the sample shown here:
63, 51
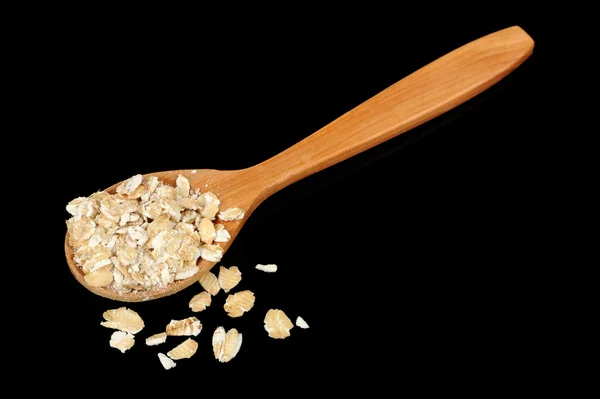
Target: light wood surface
428, 92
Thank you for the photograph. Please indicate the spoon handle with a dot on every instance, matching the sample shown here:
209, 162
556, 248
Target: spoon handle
421, 96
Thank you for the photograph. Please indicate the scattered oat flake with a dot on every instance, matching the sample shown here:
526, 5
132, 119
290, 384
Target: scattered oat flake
277, 324
239, 303
194, 171
218, 341
200, 301
184, 350
231, 214
156, 339
210, 283
185, 327
122, 340
229, 277
226, 345
301, 323
166, 361
270, 268
123, 319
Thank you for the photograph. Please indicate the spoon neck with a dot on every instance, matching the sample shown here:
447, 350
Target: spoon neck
291, 165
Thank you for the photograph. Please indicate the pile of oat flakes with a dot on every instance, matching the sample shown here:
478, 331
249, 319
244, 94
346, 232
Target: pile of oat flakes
147, 234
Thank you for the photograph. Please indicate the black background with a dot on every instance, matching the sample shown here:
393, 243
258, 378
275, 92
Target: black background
411, 262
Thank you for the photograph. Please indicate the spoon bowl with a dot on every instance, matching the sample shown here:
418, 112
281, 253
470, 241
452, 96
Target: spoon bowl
242, 190
421, 96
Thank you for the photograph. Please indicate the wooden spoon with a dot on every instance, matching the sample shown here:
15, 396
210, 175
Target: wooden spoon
430, 91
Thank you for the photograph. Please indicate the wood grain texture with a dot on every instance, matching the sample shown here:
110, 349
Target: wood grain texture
430, 91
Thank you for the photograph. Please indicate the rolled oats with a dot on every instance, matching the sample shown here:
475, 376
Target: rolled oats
212, 253
185, 327
231, 214
207, 231
99, 278
270, 268
229, 277
186, 272
226, 345
166, 361
123, 319
200, 301
221, 233
184, 350
130, 185
156, 339
147, 234
210, 283
301, 323
183, 186
277, 324
239, 303
122, 340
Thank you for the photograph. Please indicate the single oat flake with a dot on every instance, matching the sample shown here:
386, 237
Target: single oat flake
123, 319
221, 233
270, 268
226, 345
231, 214
277, 324
186, 272
130, 185
183, 186
156, 339
166, 361
301, 323
184, 350
99, 278
229, 277
239, 303
207, 231
200, 301
122, 340
211, 252
185, 327
210, 283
